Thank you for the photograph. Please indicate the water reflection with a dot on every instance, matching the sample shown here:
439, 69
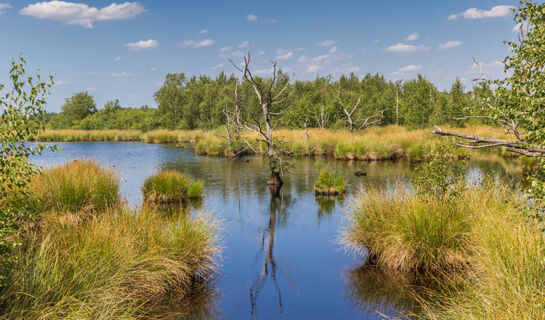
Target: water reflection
327, 204
278, 215
376, 291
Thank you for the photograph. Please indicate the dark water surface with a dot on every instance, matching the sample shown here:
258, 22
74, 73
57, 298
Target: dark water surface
281, 258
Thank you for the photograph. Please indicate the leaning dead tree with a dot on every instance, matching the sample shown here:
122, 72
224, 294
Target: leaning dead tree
516, 103
355, 120
270, 94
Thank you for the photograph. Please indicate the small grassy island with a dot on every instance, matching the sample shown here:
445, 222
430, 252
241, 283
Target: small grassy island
170, 186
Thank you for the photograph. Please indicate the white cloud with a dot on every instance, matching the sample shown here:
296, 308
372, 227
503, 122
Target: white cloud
376, 41
413, 37
118, 58
3, 7
152, 69
121, 74
142, 45
327, 43
333, 50
407, 68
90, 89
72, 13
319, 58
252, 17
313, 68
204, 43
260, 53
91, 72
302, 58
227, 48
285, 56
198, 44
203, 31
215, 68
237, 53
474, 13
62, 82
264, 71
450, 44
407, 48
244, 44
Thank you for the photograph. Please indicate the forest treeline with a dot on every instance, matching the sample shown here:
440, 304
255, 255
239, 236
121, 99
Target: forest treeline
203, 102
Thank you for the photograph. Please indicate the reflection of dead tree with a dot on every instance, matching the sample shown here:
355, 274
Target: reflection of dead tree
277, 211
268, 97
359, 121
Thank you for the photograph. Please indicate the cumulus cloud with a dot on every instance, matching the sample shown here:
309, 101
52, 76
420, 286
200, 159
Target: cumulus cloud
142, 45
285, 56
3, 7
413, 37
203, 31
313, 68
252, 17
333, 50
406, 48
244, 44
450, 44
121, 74
260, 53
72, 13
117, 59
215, 68
407, 68
197, 44
227, 48
474, 13
327, 43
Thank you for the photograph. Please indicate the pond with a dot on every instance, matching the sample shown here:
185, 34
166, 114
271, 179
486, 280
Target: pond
281, 257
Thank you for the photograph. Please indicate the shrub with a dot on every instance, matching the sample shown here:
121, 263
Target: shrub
329, 181
170, 186
78, 185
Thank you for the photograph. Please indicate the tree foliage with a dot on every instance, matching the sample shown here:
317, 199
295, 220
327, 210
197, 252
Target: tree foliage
21, 113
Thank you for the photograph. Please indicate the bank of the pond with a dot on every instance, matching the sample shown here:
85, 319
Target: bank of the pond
373, 144
486, 253
88, 256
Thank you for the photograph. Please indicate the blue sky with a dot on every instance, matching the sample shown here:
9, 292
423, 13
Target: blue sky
124, 49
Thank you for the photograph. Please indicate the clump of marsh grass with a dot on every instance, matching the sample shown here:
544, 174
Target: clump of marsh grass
329, 181
75, 186
408, 233
169, 186
121, 264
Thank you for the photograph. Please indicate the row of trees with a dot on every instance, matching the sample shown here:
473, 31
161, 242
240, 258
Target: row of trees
349, 102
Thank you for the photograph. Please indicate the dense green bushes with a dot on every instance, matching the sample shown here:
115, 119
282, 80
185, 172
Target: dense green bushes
329, 181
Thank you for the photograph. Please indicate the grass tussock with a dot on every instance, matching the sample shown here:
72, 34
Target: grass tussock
76, 186
372, 144
329, 181
121, 264
487, 254
169, 186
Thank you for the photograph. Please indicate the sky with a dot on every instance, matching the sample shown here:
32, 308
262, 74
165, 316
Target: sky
123, 50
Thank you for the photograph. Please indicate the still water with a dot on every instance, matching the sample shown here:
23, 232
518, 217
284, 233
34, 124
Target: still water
281, 258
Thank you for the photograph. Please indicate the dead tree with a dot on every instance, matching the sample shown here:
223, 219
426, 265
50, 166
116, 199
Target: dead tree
321, 118
268, 97
510, 125
359, 122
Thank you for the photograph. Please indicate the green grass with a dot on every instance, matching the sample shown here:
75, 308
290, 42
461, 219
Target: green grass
75, 186
170, 186
121, 264
329, 181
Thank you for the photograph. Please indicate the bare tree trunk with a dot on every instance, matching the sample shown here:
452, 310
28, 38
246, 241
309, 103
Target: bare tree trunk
397, 106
